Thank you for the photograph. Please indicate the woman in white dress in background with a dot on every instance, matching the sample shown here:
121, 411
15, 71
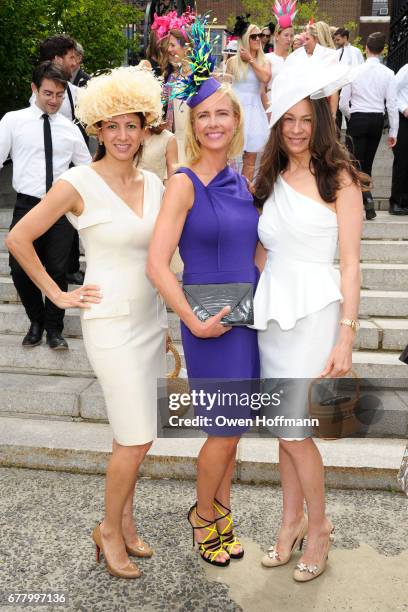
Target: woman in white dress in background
250, 72
114, 206
285, 13
305, 311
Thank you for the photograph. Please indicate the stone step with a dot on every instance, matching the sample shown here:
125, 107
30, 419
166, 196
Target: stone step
382, 366
42, 360
69, 398
5, 268
384, 303
374, 303
74, 362
86, 447
386, 227
384, 276
384, 251
391, 334
373, 275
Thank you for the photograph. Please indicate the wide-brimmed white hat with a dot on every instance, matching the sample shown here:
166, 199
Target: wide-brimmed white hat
303, 77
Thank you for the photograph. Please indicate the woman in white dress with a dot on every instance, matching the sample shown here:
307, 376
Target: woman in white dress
285, 13
250, 73
114, 206
318, 43
305, 310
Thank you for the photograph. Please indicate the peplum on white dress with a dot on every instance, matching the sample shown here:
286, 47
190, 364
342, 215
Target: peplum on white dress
125, 334
256, 128
297, 301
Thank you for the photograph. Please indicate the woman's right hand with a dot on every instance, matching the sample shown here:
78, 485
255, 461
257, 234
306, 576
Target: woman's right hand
212, 327
82, 297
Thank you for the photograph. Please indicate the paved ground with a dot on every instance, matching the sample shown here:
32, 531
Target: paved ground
46, 520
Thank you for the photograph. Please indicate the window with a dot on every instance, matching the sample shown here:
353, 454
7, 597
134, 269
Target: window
380, 8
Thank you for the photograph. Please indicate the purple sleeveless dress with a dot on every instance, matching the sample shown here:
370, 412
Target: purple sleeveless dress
218, 245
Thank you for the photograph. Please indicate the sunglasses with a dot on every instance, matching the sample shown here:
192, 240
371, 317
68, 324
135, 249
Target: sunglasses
255, 36
265, 35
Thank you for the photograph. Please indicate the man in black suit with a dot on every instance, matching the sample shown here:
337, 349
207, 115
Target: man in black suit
79, 76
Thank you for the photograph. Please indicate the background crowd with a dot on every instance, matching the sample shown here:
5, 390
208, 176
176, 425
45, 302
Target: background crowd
252, 57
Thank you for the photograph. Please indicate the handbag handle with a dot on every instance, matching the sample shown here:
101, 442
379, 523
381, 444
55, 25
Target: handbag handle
177, 360
315, 380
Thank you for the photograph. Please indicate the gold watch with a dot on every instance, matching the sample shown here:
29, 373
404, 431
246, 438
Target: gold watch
355, 325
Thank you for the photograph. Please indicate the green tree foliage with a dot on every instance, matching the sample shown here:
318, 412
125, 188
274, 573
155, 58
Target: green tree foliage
261, 11
99, 25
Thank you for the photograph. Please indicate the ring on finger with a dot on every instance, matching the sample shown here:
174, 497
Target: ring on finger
82, 297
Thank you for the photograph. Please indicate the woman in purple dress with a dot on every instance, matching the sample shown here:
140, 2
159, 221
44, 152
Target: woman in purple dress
208, 211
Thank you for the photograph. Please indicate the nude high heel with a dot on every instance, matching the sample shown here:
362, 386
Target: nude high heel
305, 573
141, 549
273, 558
130, 570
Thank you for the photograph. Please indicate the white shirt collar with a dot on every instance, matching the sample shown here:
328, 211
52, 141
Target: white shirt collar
39, 112
373, 59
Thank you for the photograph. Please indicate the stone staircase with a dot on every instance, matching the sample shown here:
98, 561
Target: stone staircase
40, 383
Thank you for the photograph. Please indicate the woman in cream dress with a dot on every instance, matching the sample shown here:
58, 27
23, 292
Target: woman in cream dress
305, 310
114, 207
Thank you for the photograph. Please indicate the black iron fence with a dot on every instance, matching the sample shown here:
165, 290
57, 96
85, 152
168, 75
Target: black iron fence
398, 49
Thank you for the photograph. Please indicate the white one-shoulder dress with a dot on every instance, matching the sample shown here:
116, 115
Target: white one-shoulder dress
125, 334
297, 301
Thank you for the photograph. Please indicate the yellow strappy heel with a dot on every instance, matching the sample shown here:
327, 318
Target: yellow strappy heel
227, 535
212, 546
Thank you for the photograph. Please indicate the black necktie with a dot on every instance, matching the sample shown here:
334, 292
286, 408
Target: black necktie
341, 54
48, 152
71, 102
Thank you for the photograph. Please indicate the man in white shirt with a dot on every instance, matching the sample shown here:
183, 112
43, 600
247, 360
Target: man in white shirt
63, 51
399, 189
349, 55
42, 144
362, 102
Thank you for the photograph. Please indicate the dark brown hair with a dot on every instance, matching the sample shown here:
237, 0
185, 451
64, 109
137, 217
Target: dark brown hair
58, 45
343, 32
49, 70
101, 149
329, 158
376, 42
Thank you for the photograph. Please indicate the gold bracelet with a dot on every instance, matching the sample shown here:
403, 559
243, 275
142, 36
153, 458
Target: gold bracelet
355, 325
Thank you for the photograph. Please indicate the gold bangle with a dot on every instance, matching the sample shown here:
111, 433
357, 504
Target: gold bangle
355, 325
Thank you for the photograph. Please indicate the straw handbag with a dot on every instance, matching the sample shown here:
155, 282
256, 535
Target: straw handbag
336, 414
175, 384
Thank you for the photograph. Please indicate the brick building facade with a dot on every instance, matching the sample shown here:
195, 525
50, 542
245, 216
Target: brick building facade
339, 12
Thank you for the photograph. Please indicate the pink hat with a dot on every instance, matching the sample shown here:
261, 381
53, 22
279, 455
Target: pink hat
285, 13
162, 24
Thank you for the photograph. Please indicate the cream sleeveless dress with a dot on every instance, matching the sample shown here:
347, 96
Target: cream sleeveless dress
124, 335
297, 301
154, 154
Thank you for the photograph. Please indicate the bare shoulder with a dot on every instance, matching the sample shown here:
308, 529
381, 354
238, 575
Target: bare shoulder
347, 187
180, 190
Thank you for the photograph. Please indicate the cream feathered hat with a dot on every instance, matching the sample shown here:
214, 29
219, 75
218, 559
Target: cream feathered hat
303, 77
129, 89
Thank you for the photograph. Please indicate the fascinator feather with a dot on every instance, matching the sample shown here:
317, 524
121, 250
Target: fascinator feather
285, 13
199, 84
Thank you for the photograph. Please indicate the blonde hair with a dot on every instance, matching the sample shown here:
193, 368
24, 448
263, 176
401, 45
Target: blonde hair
192, 146
240, 68
321, 31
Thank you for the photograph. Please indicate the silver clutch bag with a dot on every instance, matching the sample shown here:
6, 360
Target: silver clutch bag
208, 300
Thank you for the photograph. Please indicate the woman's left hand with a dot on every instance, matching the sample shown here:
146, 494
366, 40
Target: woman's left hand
339, 362
245, 55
